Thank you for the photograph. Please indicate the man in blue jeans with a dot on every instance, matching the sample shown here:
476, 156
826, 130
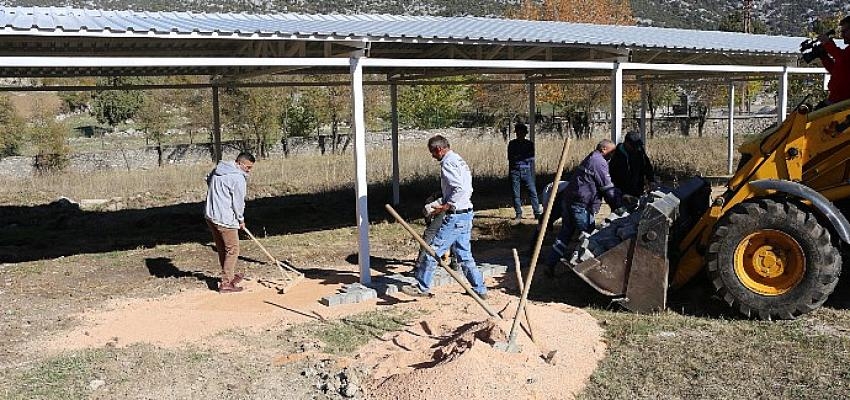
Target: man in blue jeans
521, 167
456, 229
588, 185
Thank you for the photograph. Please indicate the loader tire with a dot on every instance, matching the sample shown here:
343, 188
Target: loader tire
772, 259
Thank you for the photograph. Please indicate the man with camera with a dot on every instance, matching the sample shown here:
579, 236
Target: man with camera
837, 63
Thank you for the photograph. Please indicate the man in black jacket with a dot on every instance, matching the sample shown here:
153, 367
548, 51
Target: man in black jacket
630, 167
521, 168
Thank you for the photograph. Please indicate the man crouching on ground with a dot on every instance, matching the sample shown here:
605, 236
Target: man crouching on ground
224, 213
456, 231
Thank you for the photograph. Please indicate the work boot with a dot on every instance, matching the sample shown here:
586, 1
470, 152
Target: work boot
483, 296
229, 288
414, 291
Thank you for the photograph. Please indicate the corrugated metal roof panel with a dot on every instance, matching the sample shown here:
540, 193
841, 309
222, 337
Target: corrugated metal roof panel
17, 20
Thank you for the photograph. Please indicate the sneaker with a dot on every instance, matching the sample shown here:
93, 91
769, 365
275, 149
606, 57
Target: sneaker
517, 220
414, 291
237, 277
229, 288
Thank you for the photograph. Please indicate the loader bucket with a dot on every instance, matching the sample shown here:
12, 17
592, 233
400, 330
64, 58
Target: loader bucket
627, 257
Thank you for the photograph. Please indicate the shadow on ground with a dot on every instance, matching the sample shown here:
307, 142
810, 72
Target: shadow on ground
163, 267
62, 229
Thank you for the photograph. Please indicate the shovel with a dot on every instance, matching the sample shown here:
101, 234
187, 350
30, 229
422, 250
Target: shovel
511, 346
289, 274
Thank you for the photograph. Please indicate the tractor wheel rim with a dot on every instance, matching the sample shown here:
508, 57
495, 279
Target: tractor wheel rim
769, 262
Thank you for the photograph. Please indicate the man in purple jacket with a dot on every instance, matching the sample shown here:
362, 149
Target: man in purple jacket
586, 188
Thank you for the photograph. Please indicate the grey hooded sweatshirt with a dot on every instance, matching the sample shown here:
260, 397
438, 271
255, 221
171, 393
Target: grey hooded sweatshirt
226, 195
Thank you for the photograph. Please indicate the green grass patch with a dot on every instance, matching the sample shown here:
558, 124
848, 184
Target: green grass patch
346, 335
63, 377
675, 356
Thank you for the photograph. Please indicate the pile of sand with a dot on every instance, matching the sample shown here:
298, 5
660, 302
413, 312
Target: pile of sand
445, 357
446, 354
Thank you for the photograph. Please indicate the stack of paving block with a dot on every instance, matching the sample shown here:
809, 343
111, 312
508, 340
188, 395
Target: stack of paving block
391, 284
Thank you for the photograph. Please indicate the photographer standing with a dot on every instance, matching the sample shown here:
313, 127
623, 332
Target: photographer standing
837, 62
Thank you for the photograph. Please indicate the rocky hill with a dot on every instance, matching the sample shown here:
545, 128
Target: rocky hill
780, 17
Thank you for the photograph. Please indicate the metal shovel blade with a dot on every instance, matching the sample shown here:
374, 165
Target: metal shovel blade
507, 347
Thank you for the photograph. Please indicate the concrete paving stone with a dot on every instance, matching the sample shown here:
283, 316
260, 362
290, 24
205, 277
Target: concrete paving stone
364, 295
391, 289
391, 284
352, 298
332, 300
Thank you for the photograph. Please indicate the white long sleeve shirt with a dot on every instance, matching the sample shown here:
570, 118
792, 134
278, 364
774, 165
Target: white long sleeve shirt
456, 181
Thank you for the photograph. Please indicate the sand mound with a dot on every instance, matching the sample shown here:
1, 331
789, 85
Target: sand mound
441, 357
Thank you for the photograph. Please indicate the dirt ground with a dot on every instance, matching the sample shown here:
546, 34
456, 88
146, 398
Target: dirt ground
145, 323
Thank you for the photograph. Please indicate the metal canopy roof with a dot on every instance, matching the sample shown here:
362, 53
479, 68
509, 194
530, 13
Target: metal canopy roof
57, 31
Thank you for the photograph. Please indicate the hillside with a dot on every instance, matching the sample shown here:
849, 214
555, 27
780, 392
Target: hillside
780, 17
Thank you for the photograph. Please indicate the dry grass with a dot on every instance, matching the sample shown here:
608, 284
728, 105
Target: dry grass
674, 156
675, 356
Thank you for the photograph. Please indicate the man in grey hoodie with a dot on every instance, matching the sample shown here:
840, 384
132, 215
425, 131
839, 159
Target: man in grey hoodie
224, 213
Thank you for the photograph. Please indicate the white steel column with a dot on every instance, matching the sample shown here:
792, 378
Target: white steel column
216, 125
532, 110
730, 150
616, 103
394, 129
782, 100
643, 102
359, 127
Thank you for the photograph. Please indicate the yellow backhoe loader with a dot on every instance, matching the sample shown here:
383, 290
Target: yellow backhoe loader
770, 244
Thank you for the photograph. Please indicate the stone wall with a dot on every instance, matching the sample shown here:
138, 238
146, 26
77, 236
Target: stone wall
146, 158
714, 126
185, 154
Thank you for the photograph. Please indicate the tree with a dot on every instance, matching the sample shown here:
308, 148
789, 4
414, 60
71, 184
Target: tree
156, 116
75, 101
254, 116
605, 12
657, 94
505, 102
12, 128
50, 139
431, 106
194, 105
298, 120
115, 106
576, 103
734, 22
331, 106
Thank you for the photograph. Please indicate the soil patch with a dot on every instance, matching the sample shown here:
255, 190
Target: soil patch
194, 315
445, 356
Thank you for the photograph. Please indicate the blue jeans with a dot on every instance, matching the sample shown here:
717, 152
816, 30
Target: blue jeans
524, 175
579, 218
455, 233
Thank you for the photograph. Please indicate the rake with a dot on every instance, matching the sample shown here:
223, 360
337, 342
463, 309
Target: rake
289, 275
